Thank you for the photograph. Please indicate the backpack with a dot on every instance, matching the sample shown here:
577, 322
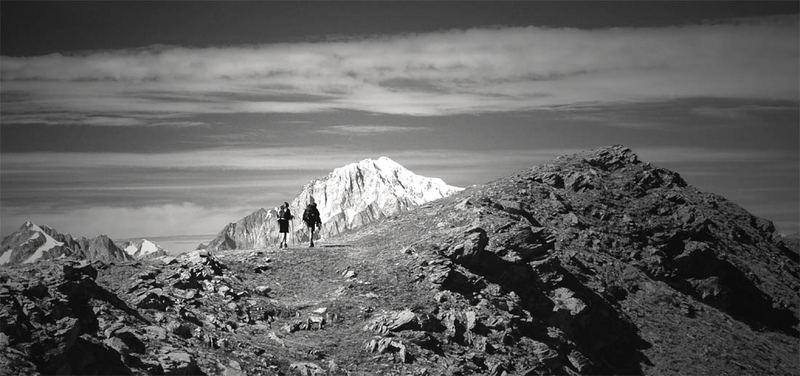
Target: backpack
285, 215
311, 216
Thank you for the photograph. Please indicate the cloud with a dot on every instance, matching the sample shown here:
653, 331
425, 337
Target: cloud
365, 130
736, 112
66, 118
326, 158
431, 74
264, 159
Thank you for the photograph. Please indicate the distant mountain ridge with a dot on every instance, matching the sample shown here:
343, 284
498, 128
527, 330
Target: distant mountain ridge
32, 243
347, 198
143, 248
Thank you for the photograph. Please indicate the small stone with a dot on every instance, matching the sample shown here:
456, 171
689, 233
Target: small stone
263, 290
117, 344
148, 275
233, 369
184, 294
183, 330
572, 219
108, 332
333, 368
156, 332
321, 311
153, 300
291, 327
178, 363
277, 339
306, 369
349, 274
579, 361
565, 299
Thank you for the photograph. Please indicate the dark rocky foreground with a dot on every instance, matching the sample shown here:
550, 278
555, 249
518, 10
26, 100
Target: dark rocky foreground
593, 264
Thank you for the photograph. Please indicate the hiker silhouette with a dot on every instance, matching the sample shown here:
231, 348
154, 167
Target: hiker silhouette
312, 219
284, 216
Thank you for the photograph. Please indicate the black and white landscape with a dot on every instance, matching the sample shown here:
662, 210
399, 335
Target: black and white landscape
515, 188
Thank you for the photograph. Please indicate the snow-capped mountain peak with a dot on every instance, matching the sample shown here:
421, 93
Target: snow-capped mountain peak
348, 197
32, 243
36, 240
142, 248
49, 243
372, 187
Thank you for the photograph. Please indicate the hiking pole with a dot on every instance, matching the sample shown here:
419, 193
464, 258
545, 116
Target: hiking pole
292, 228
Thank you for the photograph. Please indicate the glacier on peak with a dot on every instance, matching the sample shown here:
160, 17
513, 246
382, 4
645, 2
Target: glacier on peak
142, 248
49, 242
32, 243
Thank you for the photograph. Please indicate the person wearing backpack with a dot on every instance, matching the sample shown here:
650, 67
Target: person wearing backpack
311, 218
284, 216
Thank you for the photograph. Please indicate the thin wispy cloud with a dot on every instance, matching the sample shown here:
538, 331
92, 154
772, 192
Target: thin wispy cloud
366, 130
453, 72
315, 159
735, 112
105, 121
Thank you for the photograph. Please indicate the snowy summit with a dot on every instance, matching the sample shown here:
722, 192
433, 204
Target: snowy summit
347, 198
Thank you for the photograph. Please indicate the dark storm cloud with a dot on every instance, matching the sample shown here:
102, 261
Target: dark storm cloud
42, 27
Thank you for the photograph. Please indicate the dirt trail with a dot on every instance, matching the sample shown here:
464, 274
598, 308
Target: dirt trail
349, 283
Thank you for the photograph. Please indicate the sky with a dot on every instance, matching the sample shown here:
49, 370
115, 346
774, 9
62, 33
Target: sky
146, 119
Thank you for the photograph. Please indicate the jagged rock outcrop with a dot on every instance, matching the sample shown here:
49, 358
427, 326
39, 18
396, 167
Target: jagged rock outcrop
52, 321
32, 243
568, 261
348, 198
142, 248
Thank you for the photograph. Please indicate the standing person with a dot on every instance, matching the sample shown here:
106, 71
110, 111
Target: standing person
284, 216
311, 218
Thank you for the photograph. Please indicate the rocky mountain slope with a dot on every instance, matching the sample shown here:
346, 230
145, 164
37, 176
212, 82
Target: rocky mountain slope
595, 263
142, 248
33, 243
349, 197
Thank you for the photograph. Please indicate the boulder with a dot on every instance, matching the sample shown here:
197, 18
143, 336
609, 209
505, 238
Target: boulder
389, 345
153, 300
78, 271
178, 363
393, 322
306, 369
